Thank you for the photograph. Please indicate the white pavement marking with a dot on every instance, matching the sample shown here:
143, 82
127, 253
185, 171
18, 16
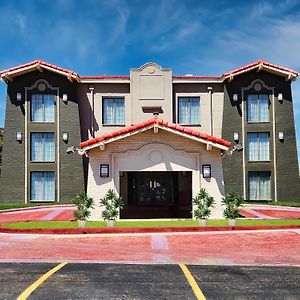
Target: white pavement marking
160, 246
257, 214
159, 241
52, 214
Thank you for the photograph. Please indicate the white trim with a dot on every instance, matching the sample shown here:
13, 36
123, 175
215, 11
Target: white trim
105, 80
274, 147
191, 80
244, 120
27, 120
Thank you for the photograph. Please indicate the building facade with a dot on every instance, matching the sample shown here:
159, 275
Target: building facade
153, 137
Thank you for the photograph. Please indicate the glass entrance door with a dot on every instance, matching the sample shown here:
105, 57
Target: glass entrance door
151, 188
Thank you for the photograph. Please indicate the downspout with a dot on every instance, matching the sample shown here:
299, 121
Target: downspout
92, 112
209, 88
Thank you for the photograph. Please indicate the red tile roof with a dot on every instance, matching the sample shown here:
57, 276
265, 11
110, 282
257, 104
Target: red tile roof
38, 62
161, 123
223, 77
257, 63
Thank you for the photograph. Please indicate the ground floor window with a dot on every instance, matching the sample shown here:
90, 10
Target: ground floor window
42, 186
259, 185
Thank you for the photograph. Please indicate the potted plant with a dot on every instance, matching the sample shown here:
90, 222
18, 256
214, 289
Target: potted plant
83, 204
204, 203
233, 201
111, 203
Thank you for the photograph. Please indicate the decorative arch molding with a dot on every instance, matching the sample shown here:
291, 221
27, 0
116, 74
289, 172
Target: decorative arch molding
150, 64
257, 81
155, 157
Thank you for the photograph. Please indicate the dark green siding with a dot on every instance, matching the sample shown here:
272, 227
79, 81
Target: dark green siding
13, 170
288, 185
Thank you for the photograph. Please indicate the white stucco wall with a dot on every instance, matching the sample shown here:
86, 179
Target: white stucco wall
148, 151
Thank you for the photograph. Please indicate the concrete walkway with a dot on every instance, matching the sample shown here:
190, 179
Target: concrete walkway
261, 247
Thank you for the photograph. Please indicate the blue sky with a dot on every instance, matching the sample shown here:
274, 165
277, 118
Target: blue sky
95, 37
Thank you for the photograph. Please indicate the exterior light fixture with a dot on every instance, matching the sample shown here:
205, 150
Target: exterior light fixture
206, 171
65, 137
104, 170
19, 137
19, 96
235, 97
280, 97
236, 136
280, 136
65, 98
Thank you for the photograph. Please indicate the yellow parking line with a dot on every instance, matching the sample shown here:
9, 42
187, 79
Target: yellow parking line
199, 295
37, 283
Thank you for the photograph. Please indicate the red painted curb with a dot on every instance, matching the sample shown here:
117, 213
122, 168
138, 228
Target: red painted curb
20, 209
142, 229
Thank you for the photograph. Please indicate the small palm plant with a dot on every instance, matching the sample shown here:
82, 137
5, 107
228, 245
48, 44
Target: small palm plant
111, 203
233, 202
204, 203
83, 205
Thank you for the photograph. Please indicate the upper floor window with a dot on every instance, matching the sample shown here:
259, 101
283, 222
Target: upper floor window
113, 111
42, 146
258, 146
42, 108
258, 108
259, 185
189, 110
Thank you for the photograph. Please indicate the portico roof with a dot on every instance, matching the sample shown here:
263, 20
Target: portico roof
155, 123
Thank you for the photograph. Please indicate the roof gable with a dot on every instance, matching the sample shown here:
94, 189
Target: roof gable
155, 123
262, 65
39, 65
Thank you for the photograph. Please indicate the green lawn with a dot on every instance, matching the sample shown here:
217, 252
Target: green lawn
4, 206
173, 223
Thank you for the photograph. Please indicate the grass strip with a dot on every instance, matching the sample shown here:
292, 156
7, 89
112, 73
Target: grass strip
172, 223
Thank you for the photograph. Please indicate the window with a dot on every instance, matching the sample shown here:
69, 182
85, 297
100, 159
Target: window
113, 111
42, 108
258, 146
258, 108
259, 185
42, 186
42, 146
189, 110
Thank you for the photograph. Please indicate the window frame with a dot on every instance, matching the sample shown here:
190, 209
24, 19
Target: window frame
43, 137
112, 98
259, 182
258, 150
43, 187
31, 107
247, 108
187, 95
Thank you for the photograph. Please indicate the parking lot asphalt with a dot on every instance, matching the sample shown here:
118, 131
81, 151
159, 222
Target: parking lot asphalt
113, 281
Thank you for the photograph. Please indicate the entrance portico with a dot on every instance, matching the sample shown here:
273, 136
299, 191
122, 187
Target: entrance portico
156, 168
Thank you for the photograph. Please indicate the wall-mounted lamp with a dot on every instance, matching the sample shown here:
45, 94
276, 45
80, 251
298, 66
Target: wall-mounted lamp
206, 171
65, 98
19, 96
65, 137
280, 97
104, 170
236, 136
235, 97
280, 136
19, 137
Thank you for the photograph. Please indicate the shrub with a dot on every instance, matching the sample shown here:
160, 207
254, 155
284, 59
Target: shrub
111, 203
233, 201
204, 203
83, 203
